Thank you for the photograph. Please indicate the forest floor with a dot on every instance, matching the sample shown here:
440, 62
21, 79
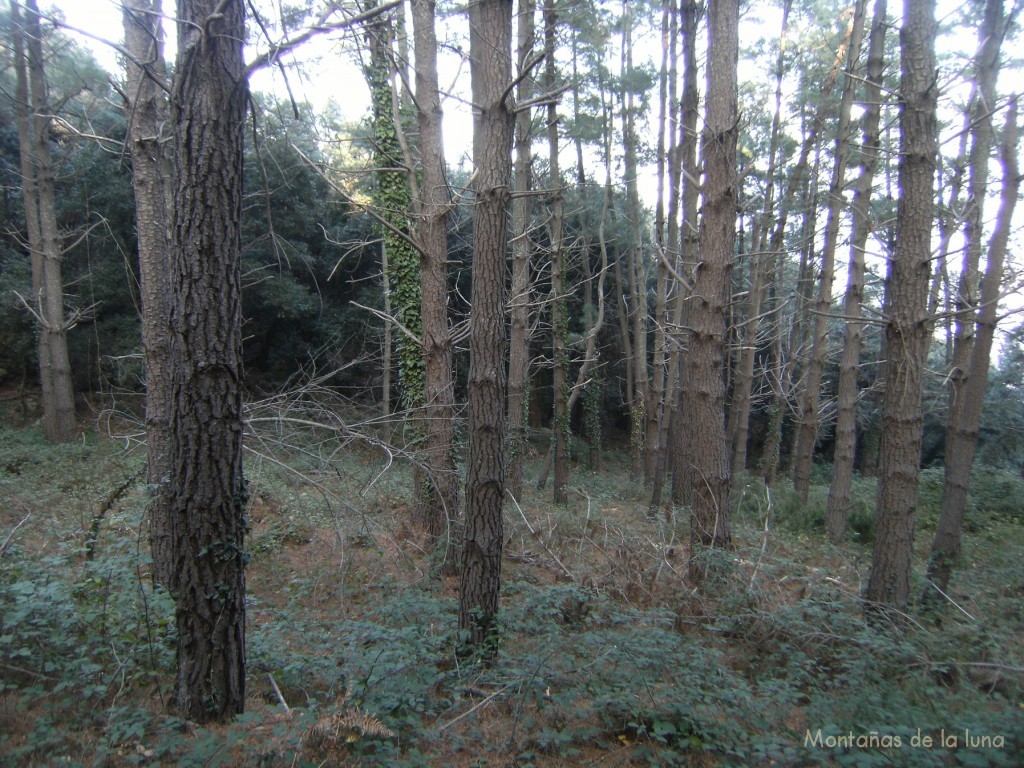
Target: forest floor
608, 656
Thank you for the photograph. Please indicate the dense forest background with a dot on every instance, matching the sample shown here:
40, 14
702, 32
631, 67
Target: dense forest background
310, 247
713, 346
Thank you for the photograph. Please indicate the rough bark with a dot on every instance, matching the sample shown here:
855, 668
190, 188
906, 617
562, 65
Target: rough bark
846, 407
810, 402
148, 138
206, 491
519, 299
705, 313
490, 24
907, 324
33, 119
432, 229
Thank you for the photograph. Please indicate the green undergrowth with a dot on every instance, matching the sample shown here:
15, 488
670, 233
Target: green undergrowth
608, 654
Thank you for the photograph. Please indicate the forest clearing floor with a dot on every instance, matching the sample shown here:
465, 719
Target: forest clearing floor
609, 655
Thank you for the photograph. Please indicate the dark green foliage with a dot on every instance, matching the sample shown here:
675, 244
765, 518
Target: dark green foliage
293, 307
18, 352
392, 199
1002, 419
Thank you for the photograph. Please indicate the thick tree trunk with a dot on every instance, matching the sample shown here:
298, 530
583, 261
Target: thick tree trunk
41, 218
908, 326
810, 403
490, 24
206, 491
440, 502
148, 120
519, 300
705, 312
846, 415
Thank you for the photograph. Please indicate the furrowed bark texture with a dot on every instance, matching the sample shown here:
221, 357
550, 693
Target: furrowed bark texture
206, 489
490, 24
148, 120
705, 314
908, 326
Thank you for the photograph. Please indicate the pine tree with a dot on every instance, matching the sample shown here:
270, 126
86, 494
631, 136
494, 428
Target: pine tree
490, 24
907, 323
206, 489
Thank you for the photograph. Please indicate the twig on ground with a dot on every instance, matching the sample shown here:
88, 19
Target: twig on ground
277, 691
474, 708
14, 530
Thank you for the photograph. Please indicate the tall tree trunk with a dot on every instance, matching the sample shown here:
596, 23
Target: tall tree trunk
744, 372
668, 301
705, 313
148, 119
969, 376
439, 401
206, 492
908, 326
986, 65
810, 402
796, 356
519, 301
690, 13
490, 23
29, 188
393, 200
762, 262
41, 218
846, 414
636, 268
783, 362
559, 318
656, 408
